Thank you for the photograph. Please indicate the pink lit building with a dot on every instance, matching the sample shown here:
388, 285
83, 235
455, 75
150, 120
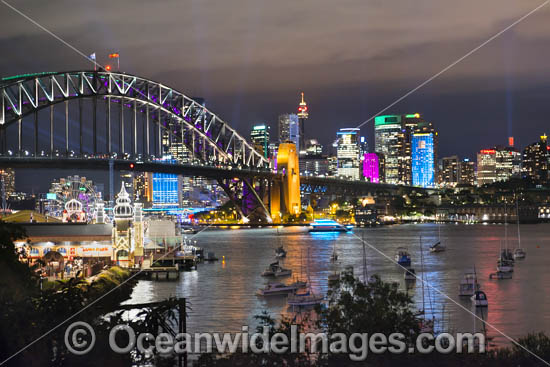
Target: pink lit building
371, 167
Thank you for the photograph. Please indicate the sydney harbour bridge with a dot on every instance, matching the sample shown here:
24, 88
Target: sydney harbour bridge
108, 120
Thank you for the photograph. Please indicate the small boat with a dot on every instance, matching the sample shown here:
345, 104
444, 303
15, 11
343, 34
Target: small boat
304, 299
327, 225
500, 275
437, 247
519, 253
276, 270
402, 257
410, 274
479, 299
468, 284
277, 289
280, 252
505, 266
188, 230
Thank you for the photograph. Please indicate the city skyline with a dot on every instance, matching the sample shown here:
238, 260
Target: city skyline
491, 93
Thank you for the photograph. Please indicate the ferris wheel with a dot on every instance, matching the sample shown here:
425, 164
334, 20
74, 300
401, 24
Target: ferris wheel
71, 189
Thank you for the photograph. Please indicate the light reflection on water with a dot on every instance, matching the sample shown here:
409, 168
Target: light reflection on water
222, 295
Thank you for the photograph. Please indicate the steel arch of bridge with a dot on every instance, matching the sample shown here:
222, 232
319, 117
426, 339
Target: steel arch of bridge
205, 135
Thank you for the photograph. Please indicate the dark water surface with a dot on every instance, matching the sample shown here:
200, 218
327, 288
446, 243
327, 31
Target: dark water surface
222, 294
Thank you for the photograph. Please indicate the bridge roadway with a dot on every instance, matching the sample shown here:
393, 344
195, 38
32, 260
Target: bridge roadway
325, 185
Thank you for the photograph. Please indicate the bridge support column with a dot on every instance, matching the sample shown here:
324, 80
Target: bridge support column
288, 165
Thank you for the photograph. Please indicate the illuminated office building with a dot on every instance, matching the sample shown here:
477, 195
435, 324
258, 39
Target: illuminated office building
486, 167
388, 141
467, 172
7, 181
423, 159
167, 190
449, 175
289, 129
259, 135
371, 167
535, 161
348, 153
313, 148
508, 163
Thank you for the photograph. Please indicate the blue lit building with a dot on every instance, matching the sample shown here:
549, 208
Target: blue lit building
166, 190
423, 159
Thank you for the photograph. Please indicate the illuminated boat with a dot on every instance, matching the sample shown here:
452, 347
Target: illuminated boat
328, 225
402, 257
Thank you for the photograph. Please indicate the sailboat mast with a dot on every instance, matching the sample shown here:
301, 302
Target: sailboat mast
505, 226
365, 275
422, 269
517, 220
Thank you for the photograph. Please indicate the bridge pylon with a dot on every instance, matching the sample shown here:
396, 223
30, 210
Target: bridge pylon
285, 194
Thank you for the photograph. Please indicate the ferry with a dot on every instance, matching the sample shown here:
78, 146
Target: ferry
328, 225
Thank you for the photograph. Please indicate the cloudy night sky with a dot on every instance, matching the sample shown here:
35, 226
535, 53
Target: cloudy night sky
352, 58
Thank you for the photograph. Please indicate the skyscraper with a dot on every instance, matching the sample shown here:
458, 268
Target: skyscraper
371, 167
423, 159
289, 129
388, 141
259, 135
508, 163
348, 153
303, 114
450, 171
486, 167
7, 181
467, 172
535, 161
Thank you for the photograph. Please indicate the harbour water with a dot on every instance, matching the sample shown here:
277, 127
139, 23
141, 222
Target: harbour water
222, 294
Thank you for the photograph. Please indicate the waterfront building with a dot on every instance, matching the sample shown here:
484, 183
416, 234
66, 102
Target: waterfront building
371, 167
303, 115
423, 159
486, 167
535, 161
289, 129
348, 153
259, 135
388, 141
